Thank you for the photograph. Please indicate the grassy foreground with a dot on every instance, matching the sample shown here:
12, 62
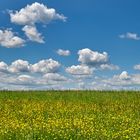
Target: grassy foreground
69, 115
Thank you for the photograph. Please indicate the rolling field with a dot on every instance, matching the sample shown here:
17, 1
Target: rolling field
69, 115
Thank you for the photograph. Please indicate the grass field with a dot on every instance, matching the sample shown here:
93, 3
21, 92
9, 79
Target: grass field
70, 115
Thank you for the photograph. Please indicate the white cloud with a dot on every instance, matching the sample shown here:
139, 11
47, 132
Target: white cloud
3, 67
109, 67
120, 81
124, 75
21, 74
32, 33
54, 77
90, 61
63, 52
93, 58
46, 66
9, 40
79, 70
129, 35
22, 66
19, 66
17, 82
137, 67
25, 79
136, 79
35, 13
81, 85
99, 85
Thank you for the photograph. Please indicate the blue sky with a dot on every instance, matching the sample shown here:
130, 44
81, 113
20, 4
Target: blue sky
90, 44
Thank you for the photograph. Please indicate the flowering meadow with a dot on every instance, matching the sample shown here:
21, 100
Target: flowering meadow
69, 115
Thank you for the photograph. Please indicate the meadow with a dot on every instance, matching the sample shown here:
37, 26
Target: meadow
69, 115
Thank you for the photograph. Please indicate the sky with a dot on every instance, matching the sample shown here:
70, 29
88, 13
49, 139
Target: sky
88, 44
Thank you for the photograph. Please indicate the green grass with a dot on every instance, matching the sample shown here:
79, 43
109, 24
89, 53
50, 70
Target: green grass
75, 115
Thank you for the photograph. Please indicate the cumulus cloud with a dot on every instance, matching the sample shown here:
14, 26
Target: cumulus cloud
123, 81
129, 35
3, 67
32, 33
109, 67
46, 66
21, 74
126, 81
9, 40
120, 81
93, 58
32, 14
54, 77
63, 52
79, 70
17, 82
22, 66
25, 79
35, 13
90, 61
137, 67
136, 79
124, 75
81, 85
19, 66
